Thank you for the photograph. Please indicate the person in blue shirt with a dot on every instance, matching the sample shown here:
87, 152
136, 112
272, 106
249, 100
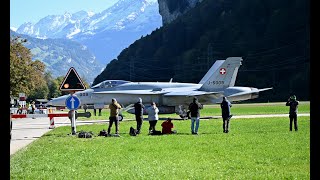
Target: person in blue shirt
226, 116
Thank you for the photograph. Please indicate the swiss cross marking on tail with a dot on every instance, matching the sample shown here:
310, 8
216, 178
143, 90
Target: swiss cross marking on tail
223, 71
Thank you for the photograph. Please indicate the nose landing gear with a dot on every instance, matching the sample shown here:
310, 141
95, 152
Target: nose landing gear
183, 113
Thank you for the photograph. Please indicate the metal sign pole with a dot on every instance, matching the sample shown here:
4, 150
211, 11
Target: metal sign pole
73, 119
73, 122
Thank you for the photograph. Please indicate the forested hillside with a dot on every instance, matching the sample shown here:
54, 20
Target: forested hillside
272, 36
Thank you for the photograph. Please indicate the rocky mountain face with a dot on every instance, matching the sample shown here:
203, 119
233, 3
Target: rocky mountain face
170, 10
106, 33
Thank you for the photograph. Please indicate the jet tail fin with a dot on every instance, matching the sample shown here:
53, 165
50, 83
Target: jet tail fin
213, 68
224, 76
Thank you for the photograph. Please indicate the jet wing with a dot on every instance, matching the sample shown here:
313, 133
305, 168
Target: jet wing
249, 92
147, 92
192, 93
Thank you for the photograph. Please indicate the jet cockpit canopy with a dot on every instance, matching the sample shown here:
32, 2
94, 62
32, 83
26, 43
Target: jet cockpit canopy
109, 83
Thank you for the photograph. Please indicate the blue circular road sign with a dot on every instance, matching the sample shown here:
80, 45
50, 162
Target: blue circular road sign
72, 102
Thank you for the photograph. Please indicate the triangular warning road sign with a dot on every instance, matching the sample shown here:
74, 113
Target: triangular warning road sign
72, 81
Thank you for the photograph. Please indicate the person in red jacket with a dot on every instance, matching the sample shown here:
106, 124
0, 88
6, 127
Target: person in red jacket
167, 127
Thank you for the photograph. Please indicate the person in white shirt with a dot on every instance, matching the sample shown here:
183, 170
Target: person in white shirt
152, 117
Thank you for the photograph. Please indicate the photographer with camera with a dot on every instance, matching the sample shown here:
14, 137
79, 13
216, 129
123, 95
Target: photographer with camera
114, 116
226, 116
293, 103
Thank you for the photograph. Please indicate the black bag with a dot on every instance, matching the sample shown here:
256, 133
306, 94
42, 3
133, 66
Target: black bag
132, 131
103, 133
83, 134
156, 133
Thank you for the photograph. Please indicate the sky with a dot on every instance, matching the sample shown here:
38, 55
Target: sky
22, 11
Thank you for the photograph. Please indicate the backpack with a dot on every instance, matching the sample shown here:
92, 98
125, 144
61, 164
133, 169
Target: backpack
132, 131
83, 134
156, 133
103, 133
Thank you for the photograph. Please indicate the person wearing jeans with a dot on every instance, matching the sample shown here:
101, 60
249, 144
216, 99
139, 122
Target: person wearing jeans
194, 109
114, 116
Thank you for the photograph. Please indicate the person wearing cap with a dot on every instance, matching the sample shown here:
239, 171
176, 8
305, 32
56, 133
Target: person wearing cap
114, 115
226, 116
167, 126
293, 110
152, 117
138, 111
194, 109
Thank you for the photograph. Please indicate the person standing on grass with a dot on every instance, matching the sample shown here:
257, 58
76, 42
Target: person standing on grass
138, 111
293, 103
114, 116
194, 109
152, 117
226, 116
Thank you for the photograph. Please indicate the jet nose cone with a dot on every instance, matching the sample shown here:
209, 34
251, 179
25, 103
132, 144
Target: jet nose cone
59, 101
49, 103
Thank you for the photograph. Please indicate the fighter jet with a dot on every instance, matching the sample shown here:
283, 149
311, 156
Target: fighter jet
170, 97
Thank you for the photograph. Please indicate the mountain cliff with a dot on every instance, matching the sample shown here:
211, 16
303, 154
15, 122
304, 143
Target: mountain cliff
106, 33
272, 36
170, 10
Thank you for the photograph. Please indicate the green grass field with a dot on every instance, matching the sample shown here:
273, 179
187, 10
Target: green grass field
261, 148
215, 110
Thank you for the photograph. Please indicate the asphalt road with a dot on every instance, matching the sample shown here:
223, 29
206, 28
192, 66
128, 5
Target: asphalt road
26, 130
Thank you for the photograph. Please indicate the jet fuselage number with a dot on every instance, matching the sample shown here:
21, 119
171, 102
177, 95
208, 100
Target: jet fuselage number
215, 82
